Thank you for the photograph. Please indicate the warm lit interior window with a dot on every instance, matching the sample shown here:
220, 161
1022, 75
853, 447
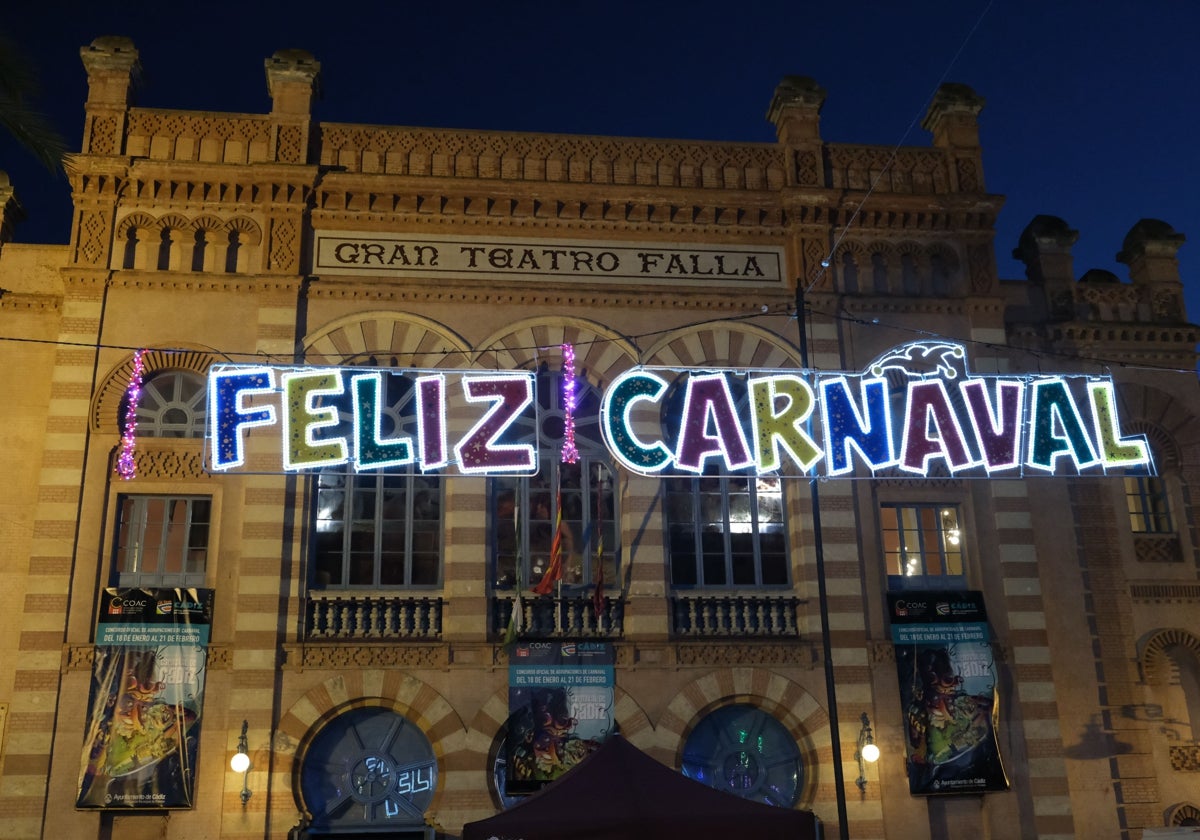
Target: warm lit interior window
922, 545
1149, 507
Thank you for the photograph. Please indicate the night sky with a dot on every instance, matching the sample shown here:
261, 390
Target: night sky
1093, 106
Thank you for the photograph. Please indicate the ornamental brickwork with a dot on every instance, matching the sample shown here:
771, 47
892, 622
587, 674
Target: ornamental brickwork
196, 236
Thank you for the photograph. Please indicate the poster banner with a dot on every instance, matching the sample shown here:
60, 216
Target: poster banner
947, 691
144, 709
560, 706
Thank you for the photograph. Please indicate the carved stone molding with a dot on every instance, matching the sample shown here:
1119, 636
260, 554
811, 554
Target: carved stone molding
81, 657
28, 302
1185, 758
803, 654
881, 653
301, 656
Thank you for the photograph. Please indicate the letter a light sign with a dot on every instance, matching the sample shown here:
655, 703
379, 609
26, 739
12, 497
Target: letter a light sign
916, 410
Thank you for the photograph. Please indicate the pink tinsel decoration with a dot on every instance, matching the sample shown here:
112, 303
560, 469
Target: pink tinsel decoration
126, 466
570, 454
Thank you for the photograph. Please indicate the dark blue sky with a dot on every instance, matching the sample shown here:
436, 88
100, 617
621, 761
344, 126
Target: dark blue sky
1093, 106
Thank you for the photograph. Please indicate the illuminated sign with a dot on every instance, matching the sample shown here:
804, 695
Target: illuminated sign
915, 410
373, 419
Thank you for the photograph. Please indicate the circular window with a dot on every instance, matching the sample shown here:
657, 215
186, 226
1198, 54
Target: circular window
370, 767
742, 750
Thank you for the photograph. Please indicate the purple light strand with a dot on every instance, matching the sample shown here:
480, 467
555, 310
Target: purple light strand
570, 454
126, 466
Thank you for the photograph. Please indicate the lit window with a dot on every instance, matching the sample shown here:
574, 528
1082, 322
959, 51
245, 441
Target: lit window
171, 405
375, 529
1149, 508
922, 546
161, 541
726, 531
525, 511
742, 750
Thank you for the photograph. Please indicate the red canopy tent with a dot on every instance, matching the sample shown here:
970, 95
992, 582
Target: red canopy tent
620, 793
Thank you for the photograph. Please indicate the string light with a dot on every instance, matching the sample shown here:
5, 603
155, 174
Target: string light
570, 453
126, 465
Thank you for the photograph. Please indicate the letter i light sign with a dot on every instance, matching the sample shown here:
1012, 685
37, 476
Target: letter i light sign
916, 410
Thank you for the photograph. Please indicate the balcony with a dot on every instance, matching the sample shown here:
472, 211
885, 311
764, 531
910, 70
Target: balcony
343, 617
728, 616
569, 616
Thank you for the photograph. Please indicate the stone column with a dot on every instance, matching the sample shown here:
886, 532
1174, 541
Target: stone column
796, 112
953, 120
293, 76
10, 209
1149, 250
1045, 248
112, 66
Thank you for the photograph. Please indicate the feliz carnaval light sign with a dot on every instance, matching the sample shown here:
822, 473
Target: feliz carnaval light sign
914, 409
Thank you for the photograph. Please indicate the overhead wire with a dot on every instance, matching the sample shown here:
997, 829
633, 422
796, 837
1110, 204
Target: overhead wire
826, 262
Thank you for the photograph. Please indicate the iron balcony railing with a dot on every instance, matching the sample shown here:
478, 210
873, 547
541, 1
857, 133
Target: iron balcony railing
373, 617
568, 616
764, 616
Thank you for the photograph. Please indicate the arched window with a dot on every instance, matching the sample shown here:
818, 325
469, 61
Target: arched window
171, 405
726, 530
368, 769
742, 750
723, 529
375, 529
526, 511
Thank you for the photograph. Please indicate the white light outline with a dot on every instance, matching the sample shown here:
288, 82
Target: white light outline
402, 443
1105, 388
864, 383
422, 434
777, 440
928, 420
1056, 418
979, 383
327, 417
710, 413
499, 401
607, 415
269, 417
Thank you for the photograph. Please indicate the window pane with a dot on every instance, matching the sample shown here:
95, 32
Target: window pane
682, 546
171, 404
525, 523
161, 540
391, 526
922, 545
739, 523
1149, 507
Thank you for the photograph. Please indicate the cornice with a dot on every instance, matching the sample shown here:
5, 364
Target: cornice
30, 302
205, 282
533, 294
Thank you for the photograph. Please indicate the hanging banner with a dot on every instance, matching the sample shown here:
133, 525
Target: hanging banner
144, 709
560, 704
947, 691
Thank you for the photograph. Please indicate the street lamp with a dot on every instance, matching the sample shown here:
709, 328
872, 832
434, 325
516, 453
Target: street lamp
240, 763
866, 752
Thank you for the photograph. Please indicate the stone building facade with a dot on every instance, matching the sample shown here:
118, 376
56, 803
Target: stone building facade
209, 238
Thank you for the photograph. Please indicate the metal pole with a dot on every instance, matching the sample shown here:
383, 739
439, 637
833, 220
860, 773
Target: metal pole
835, 740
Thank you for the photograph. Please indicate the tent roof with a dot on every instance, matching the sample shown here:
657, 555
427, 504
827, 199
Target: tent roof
620, 792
